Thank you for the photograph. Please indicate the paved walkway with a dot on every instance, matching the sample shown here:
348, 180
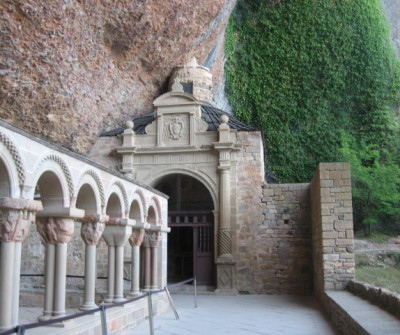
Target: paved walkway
243, 314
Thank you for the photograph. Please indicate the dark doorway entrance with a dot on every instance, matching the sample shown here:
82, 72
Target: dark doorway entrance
191, 240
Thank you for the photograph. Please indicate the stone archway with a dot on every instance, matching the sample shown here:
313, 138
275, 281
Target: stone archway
191, 240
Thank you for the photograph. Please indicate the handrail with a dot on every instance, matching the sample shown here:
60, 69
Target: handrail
20, 329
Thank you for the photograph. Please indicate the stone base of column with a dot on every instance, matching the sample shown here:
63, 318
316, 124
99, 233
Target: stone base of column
45, 317
226, 276
120, 299
88, 307
108, 300
134, 293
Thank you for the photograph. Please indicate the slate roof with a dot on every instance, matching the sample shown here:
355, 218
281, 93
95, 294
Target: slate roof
209, 114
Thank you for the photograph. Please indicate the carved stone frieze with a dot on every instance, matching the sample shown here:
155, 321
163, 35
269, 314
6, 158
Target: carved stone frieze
91, 232
55, 230
137, 237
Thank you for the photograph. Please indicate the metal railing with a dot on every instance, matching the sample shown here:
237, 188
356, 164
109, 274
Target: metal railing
20, 329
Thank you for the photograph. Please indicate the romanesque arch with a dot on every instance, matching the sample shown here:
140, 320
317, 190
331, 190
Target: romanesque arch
12, 170
53, 182
116, 206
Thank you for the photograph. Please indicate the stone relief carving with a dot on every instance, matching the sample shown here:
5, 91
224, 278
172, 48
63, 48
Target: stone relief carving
225, 278
136, 238
15, 224
91, 232
201, 125
155, 238
175, 128
55, 230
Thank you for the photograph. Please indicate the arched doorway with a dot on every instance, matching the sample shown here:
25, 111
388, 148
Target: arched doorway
191, 240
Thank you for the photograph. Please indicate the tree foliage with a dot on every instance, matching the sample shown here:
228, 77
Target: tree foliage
321, 78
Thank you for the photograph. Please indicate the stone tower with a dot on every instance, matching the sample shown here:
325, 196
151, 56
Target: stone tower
195, 79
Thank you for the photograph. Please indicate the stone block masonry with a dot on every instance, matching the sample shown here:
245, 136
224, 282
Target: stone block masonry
285, 239
332, 222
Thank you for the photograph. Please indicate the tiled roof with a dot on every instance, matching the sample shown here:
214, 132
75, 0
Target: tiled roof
209, 114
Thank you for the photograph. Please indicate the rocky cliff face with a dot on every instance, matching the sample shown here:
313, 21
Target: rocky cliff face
392, 11
71, 69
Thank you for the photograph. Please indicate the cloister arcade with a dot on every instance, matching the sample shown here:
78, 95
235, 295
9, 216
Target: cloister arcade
46, 185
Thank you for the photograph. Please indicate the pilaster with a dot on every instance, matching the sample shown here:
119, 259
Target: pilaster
225, 259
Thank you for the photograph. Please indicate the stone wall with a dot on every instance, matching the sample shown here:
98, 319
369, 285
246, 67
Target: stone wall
273, 228
295, 238
332, 217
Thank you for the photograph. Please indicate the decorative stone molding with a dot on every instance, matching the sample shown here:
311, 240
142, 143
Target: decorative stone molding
16, 217
124, 195
225, 242
201, 125
55, 230
16, 157
144, 202
137, 237
99, 184
64, 168
151, 128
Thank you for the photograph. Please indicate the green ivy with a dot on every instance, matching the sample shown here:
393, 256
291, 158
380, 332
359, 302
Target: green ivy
307, 70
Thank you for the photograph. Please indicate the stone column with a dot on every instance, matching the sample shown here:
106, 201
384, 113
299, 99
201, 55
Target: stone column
116, 236
155, 239
16, 217
91, 232
135, 241
56, 232
225, 260
147, 261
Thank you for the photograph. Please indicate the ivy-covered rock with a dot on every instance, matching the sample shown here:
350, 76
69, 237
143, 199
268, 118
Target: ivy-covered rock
309, 71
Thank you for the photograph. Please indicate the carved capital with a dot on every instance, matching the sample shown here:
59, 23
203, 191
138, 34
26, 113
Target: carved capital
15, 224
55, 230
155, 238
91, 232
16, 217
137, 237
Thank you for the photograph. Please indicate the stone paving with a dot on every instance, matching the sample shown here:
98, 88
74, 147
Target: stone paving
243, 314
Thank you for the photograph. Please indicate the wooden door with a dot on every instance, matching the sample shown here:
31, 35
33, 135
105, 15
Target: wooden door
202, 238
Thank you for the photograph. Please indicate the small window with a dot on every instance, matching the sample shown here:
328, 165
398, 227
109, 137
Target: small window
187, 87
